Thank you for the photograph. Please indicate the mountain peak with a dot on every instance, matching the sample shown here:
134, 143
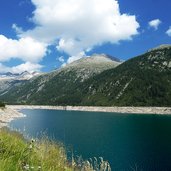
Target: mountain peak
161, 47
18, 76
86, 67
105, 56
96, 59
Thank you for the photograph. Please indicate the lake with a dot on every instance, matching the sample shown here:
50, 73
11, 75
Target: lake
127, 141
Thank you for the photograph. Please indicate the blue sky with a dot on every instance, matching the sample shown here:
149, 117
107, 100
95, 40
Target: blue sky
41, 39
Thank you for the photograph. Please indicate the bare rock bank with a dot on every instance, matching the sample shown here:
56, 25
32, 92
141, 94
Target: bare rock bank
8, 114
131, 110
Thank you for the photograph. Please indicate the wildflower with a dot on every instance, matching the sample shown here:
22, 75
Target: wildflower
32, 167
33, 140
30, 146
26, 167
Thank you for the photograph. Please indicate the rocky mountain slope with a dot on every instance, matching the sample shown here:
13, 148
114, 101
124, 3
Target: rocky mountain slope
52, 87
98, 81
141, 81
9, 80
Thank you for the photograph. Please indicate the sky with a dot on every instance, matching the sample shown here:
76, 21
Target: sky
43, 35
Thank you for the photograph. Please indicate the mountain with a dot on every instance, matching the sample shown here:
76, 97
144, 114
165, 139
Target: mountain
7, 74
144, 80
52, 87
9, 80
141, 81
160, 47
27, 75
18, 76
87, 67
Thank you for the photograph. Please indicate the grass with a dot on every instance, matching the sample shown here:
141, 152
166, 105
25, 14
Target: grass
18, 154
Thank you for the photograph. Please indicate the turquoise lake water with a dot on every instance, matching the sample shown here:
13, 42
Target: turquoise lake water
127, 141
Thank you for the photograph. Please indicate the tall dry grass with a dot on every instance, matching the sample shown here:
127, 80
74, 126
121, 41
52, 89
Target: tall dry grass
19, 154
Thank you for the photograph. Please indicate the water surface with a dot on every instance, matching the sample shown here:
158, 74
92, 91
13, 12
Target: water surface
127, 141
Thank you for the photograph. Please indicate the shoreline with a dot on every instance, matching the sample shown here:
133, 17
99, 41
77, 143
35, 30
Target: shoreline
8, 114
126, 110
11, 112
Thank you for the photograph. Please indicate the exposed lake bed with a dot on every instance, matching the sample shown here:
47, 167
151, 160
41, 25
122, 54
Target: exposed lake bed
11, 112
128, 109
8, 114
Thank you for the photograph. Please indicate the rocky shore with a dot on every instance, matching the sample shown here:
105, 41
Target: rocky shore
133, 110
8, 114
11, 112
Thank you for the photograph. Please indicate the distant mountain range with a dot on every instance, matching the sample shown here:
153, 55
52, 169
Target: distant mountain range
9, 80
101, 80
57, 84
19, 76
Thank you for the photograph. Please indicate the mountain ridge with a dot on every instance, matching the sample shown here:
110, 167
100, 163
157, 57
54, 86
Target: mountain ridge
144, 80
64, 79
162, 46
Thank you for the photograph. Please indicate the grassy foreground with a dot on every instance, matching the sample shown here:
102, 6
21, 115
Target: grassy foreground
17, 154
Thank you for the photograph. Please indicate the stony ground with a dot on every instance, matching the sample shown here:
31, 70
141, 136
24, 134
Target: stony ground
136, 110
7, 114
12, 111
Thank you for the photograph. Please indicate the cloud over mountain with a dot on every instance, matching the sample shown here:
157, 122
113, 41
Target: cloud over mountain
27, 66
26, 49
72, 26
75, 26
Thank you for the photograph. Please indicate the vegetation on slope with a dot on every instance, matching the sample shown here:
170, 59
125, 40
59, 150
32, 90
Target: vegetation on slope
55, 86
141, 81
17, 154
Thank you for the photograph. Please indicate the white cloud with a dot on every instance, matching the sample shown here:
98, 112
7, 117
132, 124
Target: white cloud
63, 65
18, 30
73, 26
61, 59
168, 32
26, 49
76, 26
155, 23
26, 67
76, 57
30, 67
